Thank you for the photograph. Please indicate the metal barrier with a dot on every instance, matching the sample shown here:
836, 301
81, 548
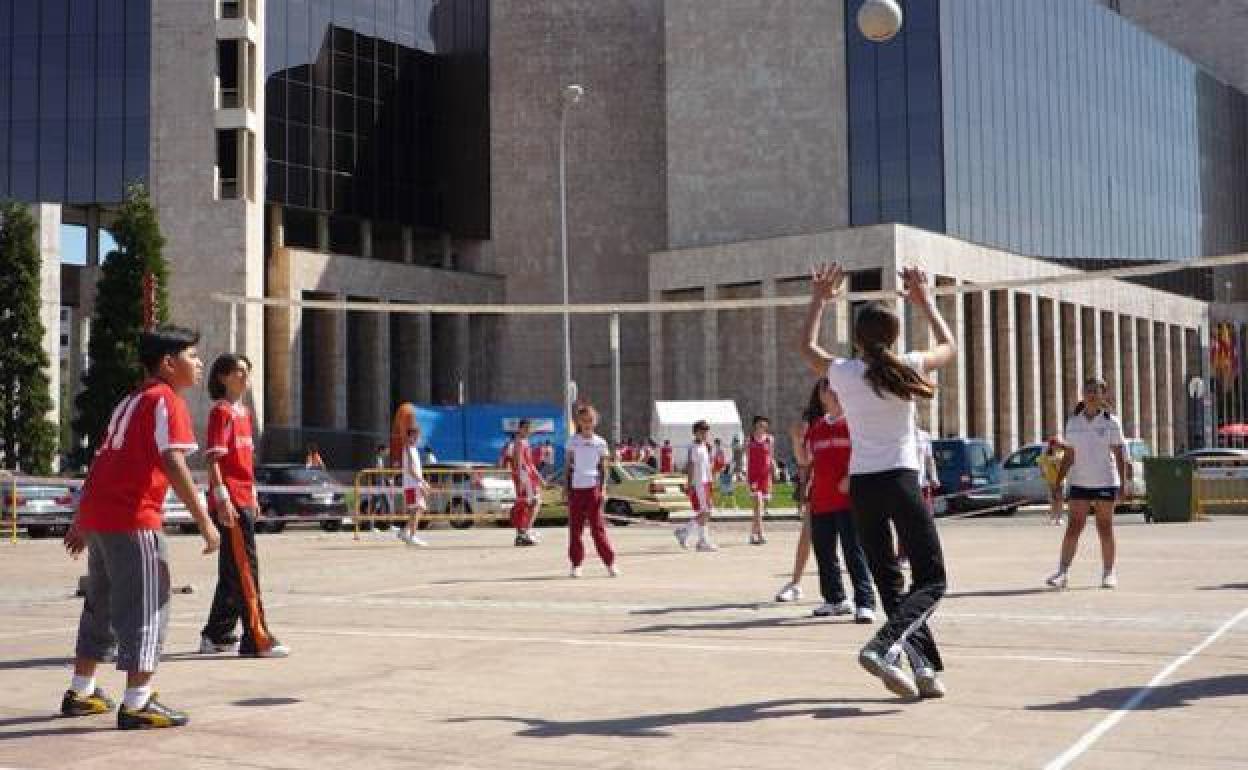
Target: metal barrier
460, 497
1219, 482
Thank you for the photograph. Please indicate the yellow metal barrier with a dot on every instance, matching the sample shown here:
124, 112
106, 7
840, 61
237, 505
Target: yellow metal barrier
1220, 482
458, 496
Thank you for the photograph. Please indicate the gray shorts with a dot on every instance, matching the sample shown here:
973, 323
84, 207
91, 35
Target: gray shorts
126, 609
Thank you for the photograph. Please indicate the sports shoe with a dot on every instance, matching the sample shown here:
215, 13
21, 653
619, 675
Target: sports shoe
414, 541
864, 615
929, 683
893, 676
706, 546
1058, 580
534, 535
278, 650
209, 647
1109, 580
524, 539
613, 571
575, 572
682, 537
152, 716
834, 608
790, 593
757, 539
75, 705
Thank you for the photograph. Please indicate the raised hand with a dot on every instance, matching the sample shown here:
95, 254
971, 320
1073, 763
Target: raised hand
826, 281
915, 285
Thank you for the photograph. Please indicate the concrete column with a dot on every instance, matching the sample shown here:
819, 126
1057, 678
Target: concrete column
48, 237
1179, 396
1165, 389
1072, 356
93, 236
1051, 357
952, 394
366, 239
981, 392
655, 341
322, 233
1005, 371
710, 346
1028, 324
1130, 404
1090, 330
339, 366
770, 359
1198, 349
1111, 357
1148, 382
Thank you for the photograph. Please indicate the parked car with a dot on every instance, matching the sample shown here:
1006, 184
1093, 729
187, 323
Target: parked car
1215, 453
970, 475
1020, 474
636, 489
42, 509
329, 507
467, 491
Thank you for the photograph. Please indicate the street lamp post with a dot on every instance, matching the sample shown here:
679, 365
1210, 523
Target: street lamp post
572, 94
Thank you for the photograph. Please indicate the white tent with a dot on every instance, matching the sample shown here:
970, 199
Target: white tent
673, 421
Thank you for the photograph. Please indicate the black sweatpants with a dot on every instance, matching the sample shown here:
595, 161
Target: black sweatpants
238, 587
881, 502
825, 530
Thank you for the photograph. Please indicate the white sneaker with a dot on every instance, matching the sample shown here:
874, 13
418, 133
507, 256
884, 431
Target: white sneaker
928, 682
209, 647
415, 541
790, 593
575, 572
534, 535
864, 615
1057, 580
613, 571
828, 610
278, 650
1109, 580
707, 546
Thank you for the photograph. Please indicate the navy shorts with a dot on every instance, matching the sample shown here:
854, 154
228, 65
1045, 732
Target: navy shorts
1098, 494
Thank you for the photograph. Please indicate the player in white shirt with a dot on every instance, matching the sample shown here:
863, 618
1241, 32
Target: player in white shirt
587, 454
878, 392
415, 488
1095, 465
698, 481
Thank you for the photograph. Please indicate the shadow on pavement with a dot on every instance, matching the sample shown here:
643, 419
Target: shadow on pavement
12, 735
1176, 695
267, 702
744, 625
1008, 592
1226, 587
702, 608
8, 665
656, 725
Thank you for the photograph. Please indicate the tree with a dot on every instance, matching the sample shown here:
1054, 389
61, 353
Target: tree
28, 436
113, 367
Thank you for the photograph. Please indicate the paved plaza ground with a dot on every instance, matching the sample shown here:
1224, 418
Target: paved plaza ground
475, 654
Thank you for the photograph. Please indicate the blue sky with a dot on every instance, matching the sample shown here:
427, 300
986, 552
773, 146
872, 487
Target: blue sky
74, 244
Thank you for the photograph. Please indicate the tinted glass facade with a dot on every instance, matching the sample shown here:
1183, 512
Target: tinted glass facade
74, 98
1065, 130
378, 109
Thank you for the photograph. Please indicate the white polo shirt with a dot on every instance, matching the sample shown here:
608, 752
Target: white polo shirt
883, 426
585, 455
1092, 439
699, 464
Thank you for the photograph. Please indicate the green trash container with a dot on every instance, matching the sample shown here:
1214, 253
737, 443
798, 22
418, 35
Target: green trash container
1169, 484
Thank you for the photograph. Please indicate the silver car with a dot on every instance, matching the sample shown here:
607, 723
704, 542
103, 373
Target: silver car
465, 491
42, 509
1023, 481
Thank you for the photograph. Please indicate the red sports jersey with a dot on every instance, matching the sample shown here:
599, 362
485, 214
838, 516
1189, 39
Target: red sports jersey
230, 439
521, 464
828, 443
758, 457
126, 485
665, 459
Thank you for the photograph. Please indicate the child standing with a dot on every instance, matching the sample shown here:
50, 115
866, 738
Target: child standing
119, 524
232, 502
527, 482
665, 456
759, 469
587, 454
1050, 462
698, 482
415, 488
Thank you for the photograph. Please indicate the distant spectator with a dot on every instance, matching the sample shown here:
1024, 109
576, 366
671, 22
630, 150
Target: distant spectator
313, 458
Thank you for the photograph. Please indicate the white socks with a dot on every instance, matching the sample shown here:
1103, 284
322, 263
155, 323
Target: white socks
136, 697
83, 685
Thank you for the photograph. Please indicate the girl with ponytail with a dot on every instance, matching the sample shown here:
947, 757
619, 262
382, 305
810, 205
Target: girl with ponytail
877, 392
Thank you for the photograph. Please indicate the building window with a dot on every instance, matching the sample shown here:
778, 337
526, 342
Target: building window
228, 74
232, 9
228, 164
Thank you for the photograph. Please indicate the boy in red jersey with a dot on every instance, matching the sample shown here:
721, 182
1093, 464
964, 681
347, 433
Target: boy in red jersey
665, 456
119, 524
232, 501
519, 458
759, 469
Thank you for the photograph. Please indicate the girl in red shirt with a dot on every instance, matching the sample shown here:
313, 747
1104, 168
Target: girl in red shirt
831, 519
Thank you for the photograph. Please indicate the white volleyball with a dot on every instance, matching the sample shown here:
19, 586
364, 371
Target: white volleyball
879, 20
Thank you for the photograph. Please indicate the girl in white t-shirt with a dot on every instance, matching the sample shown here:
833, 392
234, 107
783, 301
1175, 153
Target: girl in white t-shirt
587, 454
1095, 464
877, 392
415, 488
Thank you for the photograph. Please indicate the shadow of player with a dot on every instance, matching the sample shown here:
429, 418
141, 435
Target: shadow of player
1176, 695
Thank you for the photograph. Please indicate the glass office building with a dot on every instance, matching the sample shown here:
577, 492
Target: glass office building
1052, 128
378, 110
74, 98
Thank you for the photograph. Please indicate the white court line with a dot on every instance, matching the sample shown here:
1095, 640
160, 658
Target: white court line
675, 646
1141, 695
